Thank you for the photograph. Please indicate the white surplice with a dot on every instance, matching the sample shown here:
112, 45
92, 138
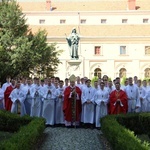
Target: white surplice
28, 99
36, 105
88, 111
59, 115
133, 95
17, 94
1, 98
101, 99
148, 100
5, 85
142, 94
49, 104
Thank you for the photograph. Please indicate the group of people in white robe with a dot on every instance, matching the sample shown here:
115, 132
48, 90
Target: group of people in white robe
44, 98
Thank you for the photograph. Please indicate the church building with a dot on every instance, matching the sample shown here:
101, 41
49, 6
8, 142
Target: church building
114, 35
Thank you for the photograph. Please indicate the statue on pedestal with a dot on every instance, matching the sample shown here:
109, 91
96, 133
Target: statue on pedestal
73, 41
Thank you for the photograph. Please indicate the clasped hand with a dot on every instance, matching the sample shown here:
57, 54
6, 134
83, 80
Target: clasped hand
49, 92
28, 92
118, 101
73, 92
36, 93
88, 101
60, 96
17, 101
102, 102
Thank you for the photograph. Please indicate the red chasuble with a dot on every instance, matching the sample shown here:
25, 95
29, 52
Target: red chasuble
7, 100
72, 106
117, 107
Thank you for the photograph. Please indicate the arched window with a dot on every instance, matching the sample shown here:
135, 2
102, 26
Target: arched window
98, 72
147, 73
122, 72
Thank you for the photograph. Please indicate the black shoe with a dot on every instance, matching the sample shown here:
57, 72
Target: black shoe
92, 126
62, 125
98, 128
85, 126
47, 125
78, 126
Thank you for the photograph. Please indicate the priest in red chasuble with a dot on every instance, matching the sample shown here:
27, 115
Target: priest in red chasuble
72, 104
9, 89
118, 101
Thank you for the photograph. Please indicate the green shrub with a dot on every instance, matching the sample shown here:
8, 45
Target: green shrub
30, 129
12, 122
138, 122
120, 137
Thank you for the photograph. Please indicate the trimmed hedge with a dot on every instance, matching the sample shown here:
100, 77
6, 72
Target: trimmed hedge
26, 137
138, 122
12, 122
120, 137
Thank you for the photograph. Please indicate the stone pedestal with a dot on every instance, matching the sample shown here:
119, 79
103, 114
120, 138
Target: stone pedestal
73, 67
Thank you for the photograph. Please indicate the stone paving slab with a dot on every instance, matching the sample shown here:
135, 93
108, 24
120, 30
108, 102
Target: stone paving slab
72, 139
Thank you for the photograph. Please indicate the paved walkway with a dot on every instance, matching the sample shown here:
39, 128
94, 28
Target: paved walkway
72, 139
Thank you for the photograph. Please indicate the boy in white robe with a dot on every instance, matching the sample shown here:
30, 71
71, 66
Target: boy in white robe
101, 99
87, 98
49, 95
4, 87
36, 104
142, 95
17, 96
59, 115
148, 100
8, 83
1, 98
133, 96
28, 100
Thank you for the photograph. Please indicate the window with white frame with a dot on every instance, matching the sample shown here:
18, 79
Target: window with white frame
147, 50
124, 20
42, 21
62, 21
103, 21
97, 50
145, 20
123, 50
83, 21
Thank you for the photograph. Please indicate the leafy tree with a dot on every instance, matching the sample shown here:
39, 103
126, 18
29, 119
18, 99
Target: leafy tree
95, 78
123, 80
21, 51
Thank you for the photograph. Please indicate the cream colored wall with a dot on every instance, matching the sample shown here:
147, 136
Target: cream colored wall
92, 18
110, 62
